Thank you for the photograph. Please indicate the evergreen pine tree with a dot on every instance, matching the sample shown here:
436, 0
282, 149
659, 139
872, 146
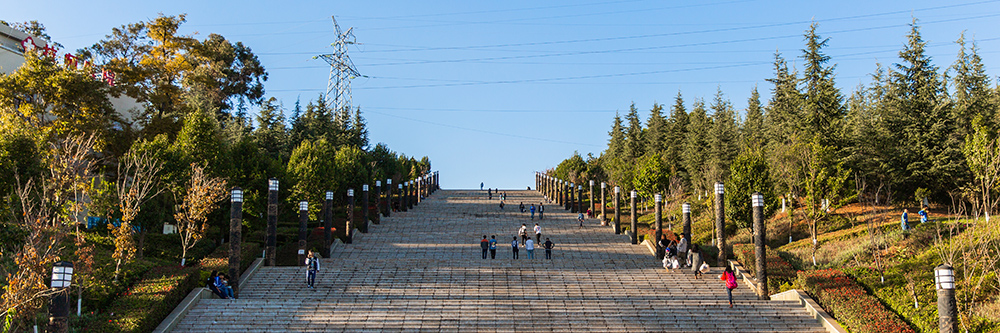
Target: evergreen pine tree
928, 149
676, 134
972, 89
695, 143
783, 112
722, 138
752, 131
656, 130
635, 146
616, 144
822, 102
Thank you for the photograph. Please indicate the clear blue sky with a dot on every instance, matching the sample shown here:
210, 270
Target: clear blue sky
493, 90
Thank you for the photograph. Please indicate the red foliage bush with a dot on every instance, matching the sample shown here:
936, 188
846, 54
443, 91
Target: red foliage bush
849, 303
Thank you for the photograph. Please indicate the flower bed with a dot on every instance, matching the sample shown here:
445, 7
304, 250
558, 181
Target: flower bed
779, 271
849, 303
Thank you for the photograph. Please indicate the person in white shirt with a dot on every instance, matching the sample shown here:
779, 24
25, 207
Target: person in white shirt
538, 233
682, 248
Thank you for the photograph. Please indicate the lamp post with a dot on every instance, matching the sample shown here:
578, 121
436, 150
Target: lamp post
618, 212
404, 196
388, 196
328, 222
378, 197
604, 206
659, 225
272, 221
303, 230
235, 237
364, 203
632, 232
593, 206
686, 217
757, 201
579, 198
401, 196
62, 277
944, 281
720, 222
572, 197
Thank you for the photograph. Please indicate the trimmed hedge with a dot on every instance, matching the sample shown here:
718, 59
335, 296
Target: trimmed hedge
849, 303
779, 271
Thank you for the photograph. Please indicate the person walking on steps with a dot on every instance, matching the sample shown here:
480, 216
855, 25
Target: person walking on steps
501, 204
489, 194
682, 250
485, 245
538, 233
532, 209
729, 278
541, 211
481, 186
493, 246
529, 245
312, 266
694, 258
513, 247
548, 248
580, 218
521, 206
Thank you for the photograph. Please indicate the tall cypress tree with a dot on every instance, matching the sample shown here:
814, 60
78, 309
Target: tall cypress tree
635, 146
656, 130
822, 101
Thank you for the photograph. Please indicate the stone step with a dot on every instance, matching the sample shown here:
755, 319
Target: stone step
422, 270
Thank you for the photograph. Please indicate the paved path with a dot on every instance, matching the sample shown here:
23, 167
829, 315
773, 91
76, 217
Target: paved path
422, 270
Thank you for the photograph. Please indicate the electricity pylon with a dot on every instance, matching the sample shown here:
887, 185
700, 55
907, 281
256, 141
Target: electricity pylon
342, 70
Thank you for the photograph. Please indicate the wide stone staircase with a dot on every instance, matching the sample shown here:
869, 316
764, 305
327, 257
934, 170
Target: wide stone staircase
422, 270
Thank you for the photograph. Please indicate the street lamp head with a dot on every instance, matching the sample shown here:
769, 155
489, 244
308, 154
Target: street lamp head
618, 189
757, 200
399, 186
236, 195
272, 184
603, 185
591, 183
350, 192
388, 181
657, 198
944, 277
378, 183
686, 208
719, 188
303, 205
329, 195
364, 187
62, 274
634, 194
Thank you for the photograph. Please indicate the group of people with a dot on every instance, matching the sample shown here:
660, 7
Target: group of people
489, 194
489, 246
541, 209
905, 219
218, 283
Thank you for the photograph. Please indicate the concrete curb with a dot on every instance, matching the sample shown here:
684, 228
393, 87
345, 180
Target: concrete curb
198, 294
812, 307
336, 244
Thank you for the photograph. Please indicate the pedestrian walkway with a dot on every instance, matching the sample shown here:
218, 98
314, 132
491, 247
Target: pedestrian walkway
422, 270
